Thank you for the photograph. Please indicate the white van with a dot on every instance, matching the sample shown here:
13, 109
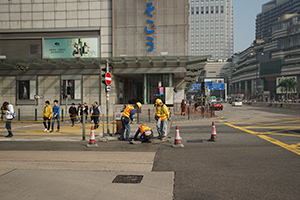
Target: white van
237, 102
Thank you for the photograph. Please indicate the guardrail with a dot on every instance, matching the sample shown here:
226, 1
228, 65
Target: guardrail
275, 104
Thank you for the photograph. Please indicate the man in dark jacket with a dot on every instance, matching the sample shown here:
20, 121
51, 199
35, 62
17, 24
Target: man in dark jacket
96, 114
72, 113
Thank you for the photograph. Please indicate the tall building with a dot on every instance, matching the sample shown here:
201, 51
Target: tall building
271, 11
211, 28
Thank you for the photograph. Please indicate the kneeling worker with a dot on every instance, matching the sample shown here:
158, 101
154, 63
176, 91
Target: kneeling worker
146, 134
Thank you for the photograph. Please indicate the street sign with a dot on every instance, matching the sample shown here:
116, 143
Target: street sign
108, 78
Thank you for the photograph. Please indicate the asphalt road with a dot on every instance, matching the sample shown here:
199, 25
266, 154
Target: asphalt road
256, 155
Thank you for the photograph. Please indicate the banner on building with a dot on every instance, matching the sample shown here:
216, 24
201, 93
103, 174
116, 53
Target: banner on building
71, 48
280, 90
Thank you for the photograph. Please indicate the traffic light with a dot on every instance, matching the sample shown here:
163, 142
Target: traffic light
63, 92
103, 74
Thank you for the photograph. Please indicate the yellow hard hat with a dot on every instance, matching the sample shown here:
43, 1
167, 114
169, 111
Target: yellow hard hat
158, 101
139, 105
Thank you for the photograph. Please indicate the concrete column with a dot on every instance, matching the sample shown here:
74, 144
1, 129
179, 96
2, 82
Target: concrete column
145, 89
170, 80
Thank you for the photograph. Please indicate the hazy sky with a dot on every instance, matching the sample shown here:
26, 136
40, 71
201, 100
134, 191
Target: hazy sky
245, 12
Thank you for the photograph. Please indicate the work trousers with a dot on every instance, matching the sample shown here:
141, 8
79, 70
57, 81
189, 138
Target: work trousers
125, 126
163, 128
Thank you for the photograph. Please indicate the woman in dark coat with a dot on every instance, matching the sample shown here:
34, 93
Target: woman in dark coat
182, 107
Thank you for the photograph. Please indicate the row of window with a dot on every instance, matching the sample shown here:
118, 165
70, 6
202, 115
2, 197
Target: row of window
207, 10
27, 89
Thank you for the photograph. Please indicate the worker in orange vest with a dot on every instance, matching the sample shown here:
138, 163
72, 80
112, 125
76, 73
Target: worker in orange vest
127, 115
145, 133
164, 116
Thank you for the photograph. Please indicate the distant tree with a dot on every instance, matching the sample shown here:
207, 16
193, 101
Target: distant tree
288, 85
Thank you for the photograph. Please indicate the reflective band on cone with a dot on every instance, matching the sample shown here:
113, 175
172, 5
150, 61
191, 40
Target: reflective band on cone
214, 133
92, 142
177, 142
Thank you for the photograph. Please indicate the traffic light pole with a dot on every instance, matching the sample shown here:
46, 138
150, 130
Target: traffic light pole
107, 100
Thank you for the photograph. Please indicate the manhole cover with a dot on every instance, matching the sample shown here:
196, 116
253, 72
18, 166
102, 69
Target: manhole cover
194, 141
128, 179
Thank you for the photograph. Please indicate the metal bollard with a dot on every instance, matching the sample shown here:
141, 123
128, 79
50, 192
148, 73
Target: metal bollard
62, 115
83, 126
35, 114
19, 114
149, 114
114, 119
188, 113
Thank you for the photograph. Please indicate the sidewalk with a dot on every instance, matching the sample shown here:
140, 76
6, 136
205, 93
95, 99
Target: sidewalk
34, 131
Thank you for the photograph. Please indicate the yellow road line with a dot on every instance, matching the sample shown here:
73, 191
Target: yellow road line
293, 148
272, 127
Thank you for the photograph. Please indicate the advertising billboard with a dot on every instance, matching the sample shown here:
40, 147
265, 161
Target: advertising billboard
71, 48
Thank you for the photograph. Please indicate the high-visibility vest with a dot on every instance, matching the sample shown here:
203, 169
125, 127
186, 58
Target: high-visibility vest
163, 115
127, 111
144, 128
157, 110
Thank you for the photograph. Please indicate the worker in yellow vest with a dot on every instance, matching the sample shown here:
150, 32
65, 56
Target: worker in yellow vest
164, 116
145, 133
156, 117
127, 115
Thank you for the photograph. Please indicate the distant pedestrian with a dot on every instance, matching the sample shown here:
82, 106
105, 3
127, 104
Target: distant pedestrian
47, 116
96, 114
72, 113
79, 113
183, 108
8, 109
85, 110
56, 111
91, 113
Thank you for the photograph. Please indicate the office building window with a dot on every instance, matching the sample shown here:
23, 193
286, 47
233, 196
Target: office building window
211, 9
202, 10
192, 10
206, 11
197, 10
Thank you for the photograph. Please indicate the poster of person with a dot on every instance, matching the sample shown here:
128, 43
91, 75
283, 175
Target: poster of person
24, 89
69, 84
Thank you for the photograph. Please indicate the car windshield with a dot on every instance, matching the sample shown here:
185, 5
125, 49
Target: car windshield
238, 100
216, 102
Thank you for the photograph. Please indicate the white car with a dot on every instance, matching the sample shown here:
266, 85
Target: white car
237, 102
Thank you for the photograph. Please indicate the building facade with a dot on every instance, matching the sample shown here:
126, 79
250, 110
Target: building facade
47, 45
211, 28
260, 68
271, 11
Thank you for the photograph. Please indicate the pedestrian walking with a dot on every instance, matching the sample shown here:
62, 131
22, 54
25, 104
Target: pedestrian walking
85, 109
127, 115
72, 113
164, 117
146, 134
56, 111
96, 114
9, 112
91, 113
47, 116
183, 109
79, 113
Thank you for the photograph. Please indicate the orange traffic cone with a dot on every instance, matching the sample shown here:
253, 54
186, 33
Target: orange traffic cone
214, 133
92, 142
177, 142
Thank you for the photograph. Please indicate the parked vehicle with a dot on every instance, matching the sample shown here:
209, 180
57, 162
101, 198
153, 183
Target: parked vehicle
217, 105
237, 102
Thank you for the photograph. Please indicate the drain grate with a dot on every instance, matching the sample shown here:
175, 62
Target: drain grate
194, 141
128, 179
